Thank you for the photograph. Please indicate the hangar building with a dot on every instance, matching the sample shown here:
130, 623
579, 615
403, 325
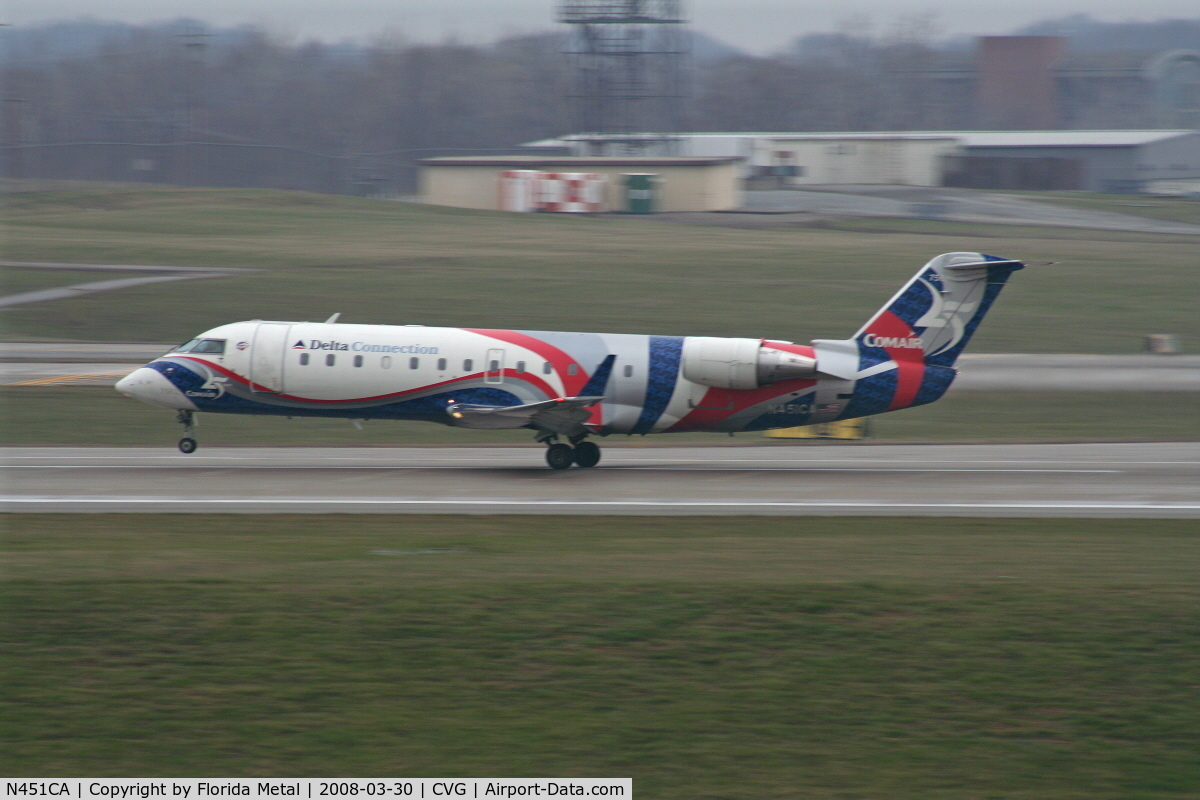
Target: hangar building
1097, 161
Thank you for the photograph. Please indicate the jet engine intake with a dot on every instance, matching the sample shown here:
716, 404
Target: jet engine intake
740, 363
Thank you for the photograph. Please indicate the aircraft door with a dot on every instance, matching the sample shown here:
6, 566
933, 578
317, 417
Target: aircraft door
266, 357
493, 367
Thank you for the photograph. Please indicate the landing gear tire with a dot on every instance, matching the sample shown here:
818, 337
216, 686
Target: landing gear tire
560, 456
187, 445
587, 454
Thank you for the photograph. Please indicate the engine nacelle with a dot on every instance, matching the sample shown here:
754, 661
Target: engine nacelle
740, 363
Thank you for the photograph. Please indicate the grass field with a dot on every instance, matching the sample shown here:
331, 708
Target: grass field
387, 262
35, 415
704, 658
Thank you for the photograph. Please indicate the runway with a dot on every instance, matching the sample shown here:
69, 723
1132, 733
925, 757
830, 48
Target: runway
1016, 480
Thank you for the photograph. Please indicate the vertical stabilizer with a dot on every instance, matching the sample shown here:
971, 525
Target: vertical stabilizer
904, 355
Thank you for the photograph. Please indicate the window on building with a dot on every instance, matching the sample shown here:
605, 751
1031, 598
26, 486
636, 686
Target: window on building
329, 359
414, 362
358, 361
303, 359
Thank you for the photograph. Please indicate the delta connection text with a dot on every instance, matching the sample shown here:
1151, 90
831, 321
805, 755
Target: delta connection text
207, 788
365, 347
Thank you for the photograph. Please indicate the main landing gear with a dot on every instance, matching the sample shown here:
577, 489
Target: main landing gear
187, 444
561, 456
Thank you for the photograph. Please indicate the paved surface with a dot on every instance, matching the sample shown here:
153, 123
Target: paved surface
954, 205
988, 372
154, 275
63, 352
1075, 480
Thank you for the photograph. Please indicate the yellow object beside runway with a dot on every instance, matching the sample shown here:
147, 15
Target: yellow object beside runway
839, 429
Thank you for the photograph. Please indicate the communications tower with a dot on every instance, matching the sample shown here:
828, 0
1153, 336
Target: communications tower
629, 60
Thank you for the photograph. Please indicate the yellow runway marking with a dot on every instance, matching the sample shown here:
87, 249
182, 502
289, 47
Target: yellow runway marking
69, 380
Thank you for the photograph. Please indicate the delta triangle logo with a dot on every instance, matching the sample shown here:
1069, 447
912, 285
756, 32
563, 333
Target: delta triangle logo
298, 346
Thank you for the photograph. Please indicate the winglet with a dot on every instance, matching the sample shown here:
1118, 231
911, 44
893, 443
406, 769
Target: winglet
599, 380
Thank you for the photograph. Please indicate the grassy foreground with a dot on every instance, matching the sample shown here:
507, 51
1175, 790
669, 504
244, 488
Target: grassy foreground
395, 263
703, 657
99, 416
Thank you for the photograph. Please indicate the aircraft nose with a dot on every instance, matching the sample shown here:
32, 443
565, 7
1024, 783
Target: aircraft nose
151, 386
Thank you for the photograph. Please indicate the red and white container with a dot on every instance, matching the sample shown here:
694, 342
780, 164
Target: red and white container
519, 190
571, 192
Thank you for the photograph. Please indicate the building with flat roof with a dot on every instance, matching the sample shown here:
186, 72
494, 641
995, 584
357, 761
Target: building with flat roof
1097, 161
707, 183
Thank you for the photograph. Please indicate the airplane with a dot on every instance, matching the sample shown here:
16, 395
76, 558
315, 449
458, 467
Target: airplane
570, 386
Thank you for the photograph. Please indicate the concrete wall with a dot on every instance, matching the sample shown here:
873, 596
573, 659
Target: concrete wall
714, 187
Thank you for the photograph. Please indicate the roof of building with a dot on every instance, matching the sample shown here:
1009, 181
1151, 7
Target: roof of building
520, 162
1067, 138
1101, 138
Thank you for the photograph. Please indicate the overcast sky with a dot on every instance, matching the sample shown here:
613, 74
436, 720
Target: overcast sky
757, 26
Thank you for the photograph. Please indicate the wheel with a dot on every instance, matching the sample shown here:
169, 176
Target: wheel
560, 456
187, 445
587, 454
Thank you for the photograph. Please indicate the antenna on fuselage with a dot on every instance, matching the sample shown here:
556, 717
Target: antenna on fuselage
333, 319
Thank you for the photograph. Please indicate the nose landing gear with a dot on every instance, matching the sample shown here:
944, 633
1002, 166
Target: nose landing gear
584, 454
187, 444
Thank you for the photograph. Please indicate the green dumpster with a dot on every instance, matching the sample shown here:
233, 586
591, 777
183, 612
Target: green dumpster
641, 192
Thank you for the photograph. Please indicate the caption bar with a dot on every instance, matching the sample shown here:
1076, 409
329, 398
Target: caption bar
341, 788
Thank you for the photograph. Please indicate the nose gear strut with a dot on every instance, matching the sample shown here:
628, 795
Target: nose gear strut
187, 444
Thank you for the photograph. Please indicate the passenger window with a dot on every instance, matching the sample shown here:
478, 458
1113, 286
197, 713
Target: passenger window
629, 370
358, 361
386, 362
468, 364
573, 369
329, 359
414, 362
494, 367
520, 366
303, 359
441, 365
547, 368
210, 346
186, 346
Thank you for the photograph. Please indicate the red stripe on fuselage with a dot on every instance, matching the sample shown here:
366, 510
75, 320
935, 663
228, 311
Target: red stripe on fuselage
560, 360
538, 383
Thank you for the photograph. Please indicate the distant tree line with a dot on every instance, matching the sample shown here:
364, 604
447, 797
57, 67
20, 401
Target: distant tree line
184, 103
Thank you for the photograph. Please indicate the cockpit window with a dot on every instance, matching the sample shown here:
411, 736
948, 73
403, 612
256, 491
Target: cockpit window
188, 345
210, 346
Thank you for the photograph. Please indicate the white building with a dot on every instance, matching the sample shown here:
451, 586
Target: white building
1098, 161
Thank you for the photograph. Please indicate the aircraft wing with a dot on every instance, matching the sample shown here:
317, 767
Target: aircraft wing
561, 413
